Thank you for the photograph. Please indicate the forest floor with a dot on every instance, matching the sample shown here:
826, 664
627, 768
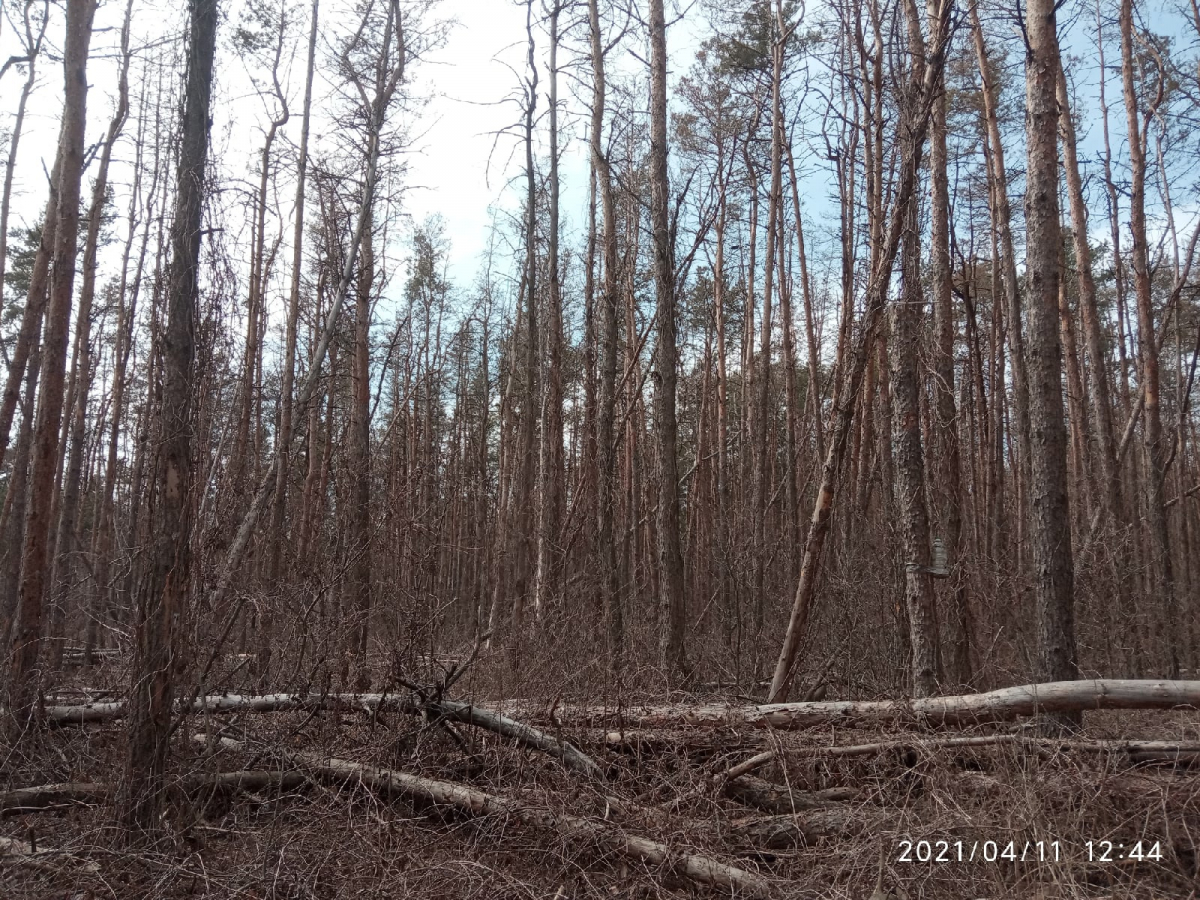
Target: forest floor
811, 824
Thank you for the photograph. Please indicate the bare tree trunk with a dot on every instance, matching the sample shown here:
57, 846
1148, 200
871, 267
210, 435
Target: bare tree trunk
606, 548
949, 466
1050, 523
288, 374
35, 561
67, 542
162, 599
910, 470
359, 543
1110, 493
912, 127
549, 561
1001, 214
1157, 448
670, 551
32, 312
524, 541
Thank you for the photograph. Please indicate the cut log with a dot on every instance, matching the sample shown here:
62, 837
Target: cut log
778, 798
693, 866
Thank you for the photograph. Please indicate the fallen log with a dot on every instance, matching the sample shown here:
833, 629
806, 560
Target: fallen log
452, 710
47, 797
778, 798
526, 735
693, 866
86, 713
968, 709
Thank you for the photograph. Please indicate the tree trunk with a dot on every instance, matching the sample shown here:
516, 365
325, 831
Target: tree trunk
549, 562
1157, 448
606, 548
1110, 493
162, 600
670, 550
35, 561
912, 127
948, 468
1050, 523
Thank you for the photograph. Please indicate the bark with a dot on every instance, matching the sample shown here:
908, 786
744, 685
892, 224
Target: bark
523, 539
924, 639
35, 559
162, 600
999, 705
1003, 704
358, 588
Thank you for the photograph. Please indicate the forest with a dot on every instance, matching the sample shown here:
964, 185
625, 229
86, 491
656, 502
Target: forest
798, 498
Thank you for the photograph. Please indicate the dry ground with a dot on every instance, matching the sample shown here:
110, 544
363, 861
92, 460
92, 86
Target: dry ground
325, 840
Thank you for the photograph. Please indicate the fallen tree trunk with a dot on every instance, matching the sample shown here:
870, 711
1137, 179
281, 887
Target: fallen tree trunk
451, 710
968, 709
1164, 752
693, 866
44, 797
526, 735
86, 713
778, 798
